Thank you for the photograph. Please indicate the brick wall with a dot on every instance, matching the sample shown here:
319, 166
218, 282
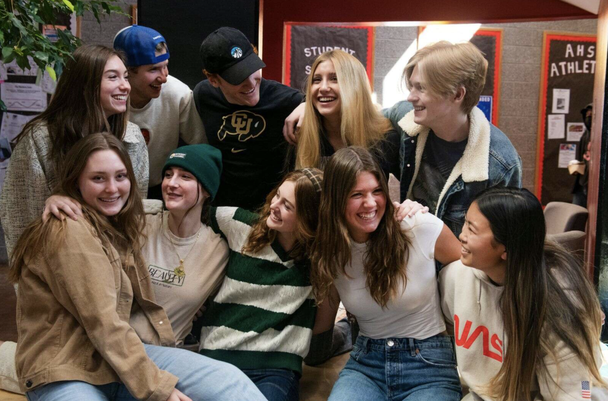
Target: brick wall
93, 32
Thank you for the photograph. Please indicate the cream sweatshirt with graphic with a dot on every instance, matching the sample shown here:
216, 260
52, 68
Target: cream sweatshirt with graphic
470, 303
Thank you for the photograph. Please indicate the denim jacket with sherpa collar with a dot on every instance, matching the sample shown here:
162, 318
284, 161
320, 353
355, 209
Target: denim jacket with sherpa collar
489, 160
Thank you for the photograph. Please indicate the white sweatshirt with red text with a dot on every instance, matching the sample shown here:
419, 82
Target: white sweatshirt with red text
470, 303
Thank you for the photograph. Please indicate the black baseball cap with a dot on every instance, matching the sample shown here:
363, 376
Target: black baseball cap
228, 52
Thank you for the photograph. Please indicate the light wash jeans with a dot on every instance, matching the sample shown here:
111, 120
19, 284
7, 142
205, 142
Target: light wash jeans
200, 378
399, 369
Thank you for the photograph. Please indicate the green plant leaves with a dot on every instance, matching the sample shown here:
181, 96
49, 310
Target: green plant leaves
42, 56
51, 73
21, 36
69, 5
6, 53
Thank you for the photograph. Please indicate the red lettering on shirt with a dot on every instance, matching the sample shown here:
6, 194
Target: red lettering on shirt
146, 134
466, 340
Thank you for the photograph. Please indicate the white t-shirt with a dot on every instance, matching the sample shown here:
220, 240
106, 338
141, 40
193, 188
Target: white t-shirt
164, 120
415, 313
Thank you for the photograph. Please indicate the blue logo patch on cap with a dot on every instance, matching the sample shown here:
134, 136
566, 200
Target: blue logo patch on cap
236, 52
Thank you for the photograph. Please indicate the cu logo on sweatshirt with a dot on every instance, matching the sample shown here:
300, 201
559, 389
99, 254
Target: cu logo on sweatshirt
241, 125
465, 339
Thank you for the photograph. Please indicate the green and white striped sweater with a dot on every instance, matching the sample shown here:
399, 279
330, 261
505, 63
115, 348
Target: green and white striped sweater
263, 314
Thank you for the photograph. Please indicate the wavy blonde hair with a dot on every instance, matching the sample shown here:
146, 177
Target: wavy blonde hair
362, 124
387, 250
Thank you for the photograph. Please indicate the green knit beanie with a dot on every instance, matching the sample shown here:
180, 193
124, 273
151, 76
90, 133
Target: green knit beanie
203, 161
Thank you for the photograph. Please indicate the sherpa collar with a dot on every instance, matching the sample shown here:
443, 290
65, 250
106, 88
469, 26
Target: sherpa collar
474, 163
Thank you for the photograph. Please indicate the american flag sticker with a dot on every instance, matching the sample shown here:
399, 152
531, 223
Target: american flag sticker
585, 390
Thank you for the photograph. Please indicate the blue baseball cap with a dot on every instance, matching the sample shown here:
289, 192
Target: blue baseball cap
139, 44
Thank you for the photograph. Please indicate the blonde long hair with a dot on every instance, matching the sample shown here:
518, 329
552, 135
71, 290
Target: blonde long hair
387, 250
124, 231
361, 123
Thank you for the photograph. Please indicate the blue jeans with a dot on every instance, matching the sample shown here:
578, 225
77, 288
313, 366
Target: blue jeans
276, 384
399, 369
200, 378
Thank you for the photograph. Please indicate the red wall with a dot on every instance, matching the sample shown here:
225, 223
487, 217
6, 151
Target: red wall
276, 12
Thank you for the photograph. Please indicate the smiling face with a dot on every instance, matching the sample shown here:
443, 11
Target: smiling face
365, 207
430, 109
479, 248
181, 190
282, 216
147, 82
247, 93
325, 90
104, 183
114, 89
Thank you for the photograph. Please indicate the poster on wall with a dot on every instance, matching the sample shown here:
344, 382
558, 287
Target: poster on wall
489, 41
305, 42
566, 87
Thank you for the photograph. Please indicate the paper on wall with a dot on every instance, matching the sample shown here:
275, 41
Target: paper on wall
12, 124
13, 69
3, 74
555, 126
47, 83
567, 152
575, 131
561, 101
23, 97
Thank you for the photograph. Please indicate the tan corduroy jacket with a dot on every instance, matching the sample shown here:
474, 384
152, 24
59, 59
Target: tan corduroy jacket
73, 310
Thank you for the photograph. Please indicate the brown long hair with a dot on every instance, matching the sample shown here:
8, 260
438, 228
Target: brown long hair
308, 197
75, 109
331, 251
125, 230
546, 296
361, 124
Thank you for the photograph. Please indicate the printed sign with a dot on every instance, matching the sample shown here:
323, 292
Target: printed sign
485, 105
304, 43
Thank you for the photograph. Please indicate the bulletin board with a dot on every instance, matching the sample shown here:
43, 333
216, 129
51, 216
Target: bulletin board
489, 41
26, 92
305, 42
567, 74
